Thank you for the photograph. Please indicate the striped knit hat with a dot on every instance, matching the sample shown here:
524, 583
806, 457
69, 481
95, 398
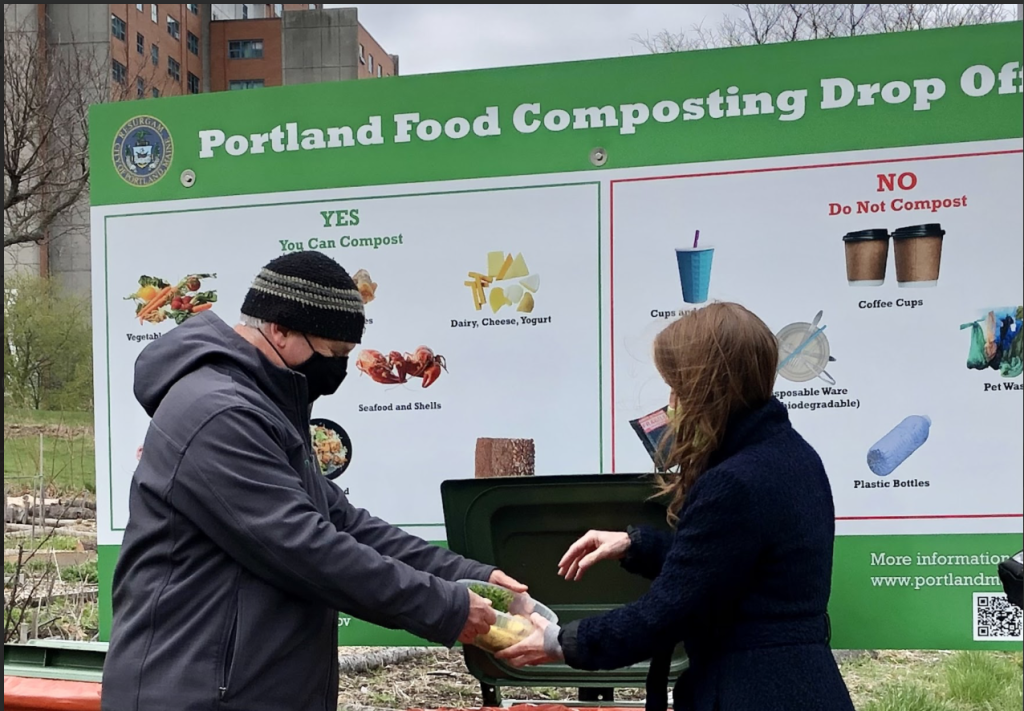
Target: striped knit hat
310, 293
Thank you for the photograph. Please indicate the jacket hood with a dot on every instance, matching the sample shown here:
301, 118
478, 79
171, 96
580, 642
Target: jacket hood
206, 340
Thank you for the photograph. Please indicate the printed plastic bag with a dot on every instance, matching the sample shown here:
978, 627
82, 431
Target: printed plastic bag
976, 359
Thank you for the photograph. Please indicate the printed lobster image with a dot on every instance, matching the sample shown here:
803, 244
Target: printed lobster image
396, 368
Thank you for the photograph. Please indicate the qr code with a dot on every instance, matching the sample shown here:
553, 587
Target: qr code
995, 619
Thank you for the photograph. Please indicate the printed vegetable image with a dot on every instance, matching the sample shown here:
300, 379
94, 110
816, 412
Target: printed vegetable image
509, 281
331, 447
157, 300
396, 368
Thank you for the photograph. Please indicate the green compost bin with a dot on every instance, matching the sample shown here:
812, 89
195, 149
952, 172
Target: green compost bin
524, 525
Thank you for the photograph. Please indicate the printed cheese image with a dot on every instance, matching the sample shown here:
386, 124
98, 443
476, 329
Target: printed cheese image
507, 283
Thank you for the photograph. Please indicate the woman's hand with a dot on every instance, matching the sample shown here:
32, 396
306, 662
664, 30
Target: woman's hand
590, 549
531, 651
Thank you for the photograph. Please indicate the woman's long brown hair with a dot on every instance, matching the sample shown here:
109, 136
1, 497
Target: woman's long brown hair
719, 360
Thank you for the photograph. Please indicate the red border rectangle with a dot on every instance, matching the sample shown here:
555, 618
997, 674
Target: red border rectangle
781, 169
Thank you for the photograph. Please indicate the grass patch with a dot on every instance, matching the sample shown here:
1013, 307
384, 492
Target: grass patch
977, 679
69, 463
48, 417
86, 573
936, 681
912, 697
53, 543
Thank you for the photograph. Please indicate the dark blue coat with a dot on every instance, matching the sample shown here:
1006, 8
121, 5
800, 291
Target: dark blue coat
743, 583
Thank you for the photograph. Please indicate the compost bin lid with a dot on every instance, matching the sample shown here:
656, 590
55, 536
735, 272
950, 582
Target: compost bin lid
524, 525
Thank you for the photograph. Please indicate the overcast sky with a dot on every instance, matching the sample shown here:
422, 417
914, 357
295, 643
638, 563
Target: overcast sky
441, 38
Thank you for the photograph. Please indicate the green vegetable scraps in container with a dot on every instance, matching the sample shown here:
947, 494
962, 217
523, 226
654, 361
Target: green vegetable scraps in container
501, 599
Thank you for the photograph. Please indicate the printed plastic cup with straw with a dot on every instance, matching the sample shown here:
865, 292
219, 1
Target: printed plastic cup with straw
695, 271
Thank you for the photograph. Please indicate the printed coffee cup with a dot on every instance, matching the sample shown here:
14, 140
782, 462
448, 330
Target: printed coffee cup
695, 273
867, 252
918, 251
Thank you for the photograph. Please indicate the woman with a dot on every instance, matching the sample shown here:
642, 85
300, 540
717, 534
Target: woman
744, 580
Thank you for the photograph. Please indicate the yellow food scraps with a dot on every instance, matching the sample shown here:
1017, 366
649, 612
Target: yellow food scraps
507, 632
526, 304
498, 299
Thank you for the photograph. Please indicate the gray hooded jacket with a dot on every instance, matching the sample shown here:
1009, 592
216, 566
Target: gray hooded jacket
239, 554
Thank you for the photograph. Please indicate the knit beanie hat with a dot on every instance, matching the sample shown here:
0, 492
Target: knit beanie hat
310, 293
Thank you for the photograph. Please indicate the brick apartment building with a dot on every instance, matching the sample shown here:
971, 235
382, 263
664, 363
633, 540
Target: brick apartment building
157, 50
161, 50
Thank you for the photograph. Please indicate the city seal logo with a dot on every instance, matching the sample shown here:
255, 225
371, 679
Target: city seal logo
143, 151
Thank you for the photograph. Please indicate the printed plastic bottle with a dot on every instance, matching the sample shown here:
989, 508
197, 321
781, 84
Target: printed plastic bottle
902, 440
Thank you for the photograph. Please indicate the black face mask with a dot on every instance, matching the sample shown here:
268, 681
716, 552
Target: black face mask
324, 375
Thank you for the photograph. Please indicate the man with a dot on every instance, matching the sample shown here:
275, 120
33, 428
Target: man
239, 554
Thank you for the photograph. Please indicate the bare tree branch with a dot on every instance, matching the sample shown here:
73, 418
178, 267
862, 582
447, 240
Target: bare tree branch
47, 93
769, 24
46, 142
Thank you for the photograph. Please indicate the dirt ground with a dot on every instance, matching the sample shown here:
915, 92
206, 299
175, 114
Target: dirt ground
440, 680
435, 681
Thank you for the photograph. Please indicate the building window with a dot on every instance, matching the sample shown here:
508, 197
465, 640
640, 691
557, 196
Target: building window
139, 7
362, 55
118, 28
279, 10
173, 28
245, 49
156, 93
237, 84
118, 71
153, 13
140, 87
245, 12
193, 83
140, 44
154, 55
194, 9
369, 63
380, 71
173, 69
193, 43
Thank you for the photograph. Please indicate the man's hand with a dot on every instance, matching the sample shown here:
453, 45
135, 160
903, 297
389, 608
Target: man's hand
595, 546
499, 578
481, 617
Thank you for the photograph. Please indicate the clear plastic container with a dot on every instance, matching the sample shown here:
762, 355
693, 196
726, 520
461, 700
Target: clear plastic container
513, 611
505, 632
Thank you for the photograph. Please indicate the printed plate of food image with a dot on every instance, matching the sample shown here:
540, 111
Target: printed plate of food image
157, 300
331, 446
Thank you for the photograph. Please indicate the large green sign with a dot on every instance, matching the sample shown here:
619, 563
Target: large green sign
536, 226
